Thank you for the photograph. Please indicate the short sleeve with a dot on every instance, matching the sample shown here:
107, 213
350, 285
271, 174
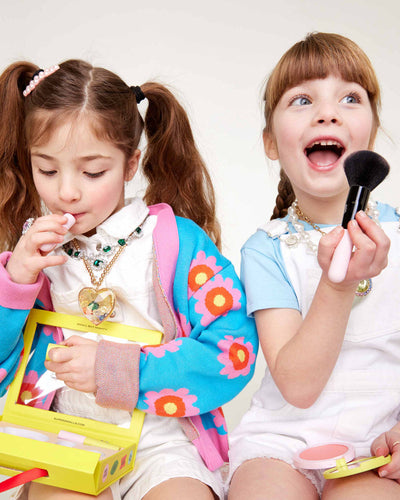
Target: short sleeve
264, 275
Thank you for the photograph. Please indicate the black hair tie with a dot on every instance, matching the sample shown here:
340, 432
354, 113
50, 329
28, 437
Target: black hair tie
138, 93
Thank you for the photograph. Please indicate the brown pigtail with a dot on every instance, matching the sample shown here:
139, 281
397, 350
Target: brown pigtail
284, 198
172, 164
18, 197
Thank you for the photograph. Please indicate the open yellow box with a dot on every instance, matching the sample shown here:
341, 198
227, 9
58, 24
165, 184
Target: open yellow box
29, 436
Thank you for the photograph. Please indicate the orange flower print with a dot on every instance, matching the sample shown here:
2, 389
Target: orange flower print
216, 298
30, 391
201, 270
237, 356
170, 403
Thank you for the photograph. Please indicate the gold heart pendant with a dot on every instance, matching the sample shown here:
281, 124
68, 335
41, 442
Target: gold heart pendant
96, 305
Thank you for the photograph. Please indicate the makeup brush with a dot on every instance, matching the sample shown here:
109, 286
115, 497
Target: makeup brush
364, 171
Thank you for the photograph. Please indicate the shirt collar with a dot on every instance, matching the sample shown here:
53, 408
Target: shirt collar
123, 222
118, 225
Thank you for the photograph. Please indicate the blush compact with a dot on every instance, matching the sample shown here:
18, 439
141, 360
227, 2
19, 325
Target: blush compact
337, 460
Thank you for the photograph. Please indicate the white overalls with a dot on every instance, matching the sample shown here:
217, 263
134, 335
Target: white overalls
362, 397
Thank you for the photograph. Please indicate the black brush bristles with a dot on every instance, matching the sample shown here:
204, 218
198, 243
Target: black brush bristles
365, 168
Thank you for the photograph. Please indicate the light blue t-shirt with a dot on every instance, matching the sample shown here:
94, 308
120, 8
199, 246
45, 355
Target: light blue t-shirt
263, 270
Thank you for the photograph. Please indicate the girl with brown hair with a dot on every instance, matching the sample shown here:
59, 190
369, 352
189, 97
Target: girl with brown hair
69, 143
331, 347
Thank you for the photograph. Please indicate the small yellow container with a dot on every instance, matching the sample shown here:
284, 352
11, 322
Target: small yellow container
29, 436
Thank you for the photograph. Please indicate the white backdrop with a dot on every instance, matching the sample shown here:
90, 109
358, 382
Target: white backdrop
216, 55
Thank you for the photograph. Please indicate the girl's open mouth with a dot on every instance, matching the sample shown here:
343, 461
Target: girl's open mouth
323, 153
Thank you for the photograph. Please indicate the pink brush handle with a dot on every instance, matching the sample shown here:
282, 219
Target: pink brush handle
48, 247
340, 260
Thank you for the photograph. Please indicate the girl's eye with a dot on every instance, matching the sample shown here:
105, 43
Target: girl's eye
47, 172
94, 175
352, 98
301, 100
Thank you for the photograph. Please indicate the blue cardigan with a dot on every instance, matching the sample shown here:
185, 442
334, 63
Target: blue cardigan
209, 349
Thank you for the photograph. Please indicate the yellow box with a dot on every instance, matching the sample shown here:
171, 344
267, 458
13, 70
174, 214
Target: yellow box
85, 467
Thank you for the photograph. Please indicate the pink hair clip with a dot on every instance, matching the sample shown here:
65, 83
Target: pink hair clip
38, 77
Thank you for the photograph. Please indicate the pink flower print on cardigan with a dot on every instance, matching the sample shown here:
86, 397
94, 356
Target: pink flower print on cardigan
185, 325
201, 270
237, 356
170, 403
30, 391
219, 419
160, 350
216, 298
49, 330
3, 374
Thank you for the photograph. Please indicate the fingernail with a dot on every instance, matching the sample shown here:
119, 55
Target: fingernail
361, 213
337, 230
353, 223
382, 473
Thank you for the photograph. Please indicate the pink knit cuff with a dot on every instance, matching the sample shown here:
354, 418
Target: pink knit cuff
117, 375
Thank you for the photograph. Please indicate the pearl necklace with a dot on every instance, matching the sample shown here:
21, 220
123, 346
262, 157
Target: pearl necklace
300, 235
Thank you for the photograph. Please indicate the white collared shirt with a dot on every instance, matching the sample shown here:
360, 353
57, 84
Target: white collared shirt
130, 277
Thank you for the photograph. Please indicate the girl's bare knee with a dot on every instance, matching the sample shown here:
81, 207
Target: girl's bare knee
39, 491
366, 486
265, 478
180, 487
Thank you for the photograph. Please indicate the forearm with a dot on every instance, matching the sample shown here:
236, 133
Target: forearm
16, 301
304, 364
204, 373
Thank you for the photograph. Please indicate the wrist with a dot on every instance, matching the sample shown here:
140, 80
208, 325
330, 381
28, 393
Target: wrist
18, 274
349, 287
20, 295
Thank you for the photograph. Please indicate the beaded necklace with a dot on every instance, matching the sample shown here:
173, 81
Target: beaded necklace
295, 214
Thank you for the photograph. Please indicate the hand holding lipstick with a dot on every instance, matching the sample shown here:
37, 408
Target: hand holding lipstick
28, 259
48, 247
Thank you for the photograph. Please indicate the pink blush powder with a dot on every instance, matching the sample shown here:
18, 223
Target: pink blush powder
324, 452
323, 456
